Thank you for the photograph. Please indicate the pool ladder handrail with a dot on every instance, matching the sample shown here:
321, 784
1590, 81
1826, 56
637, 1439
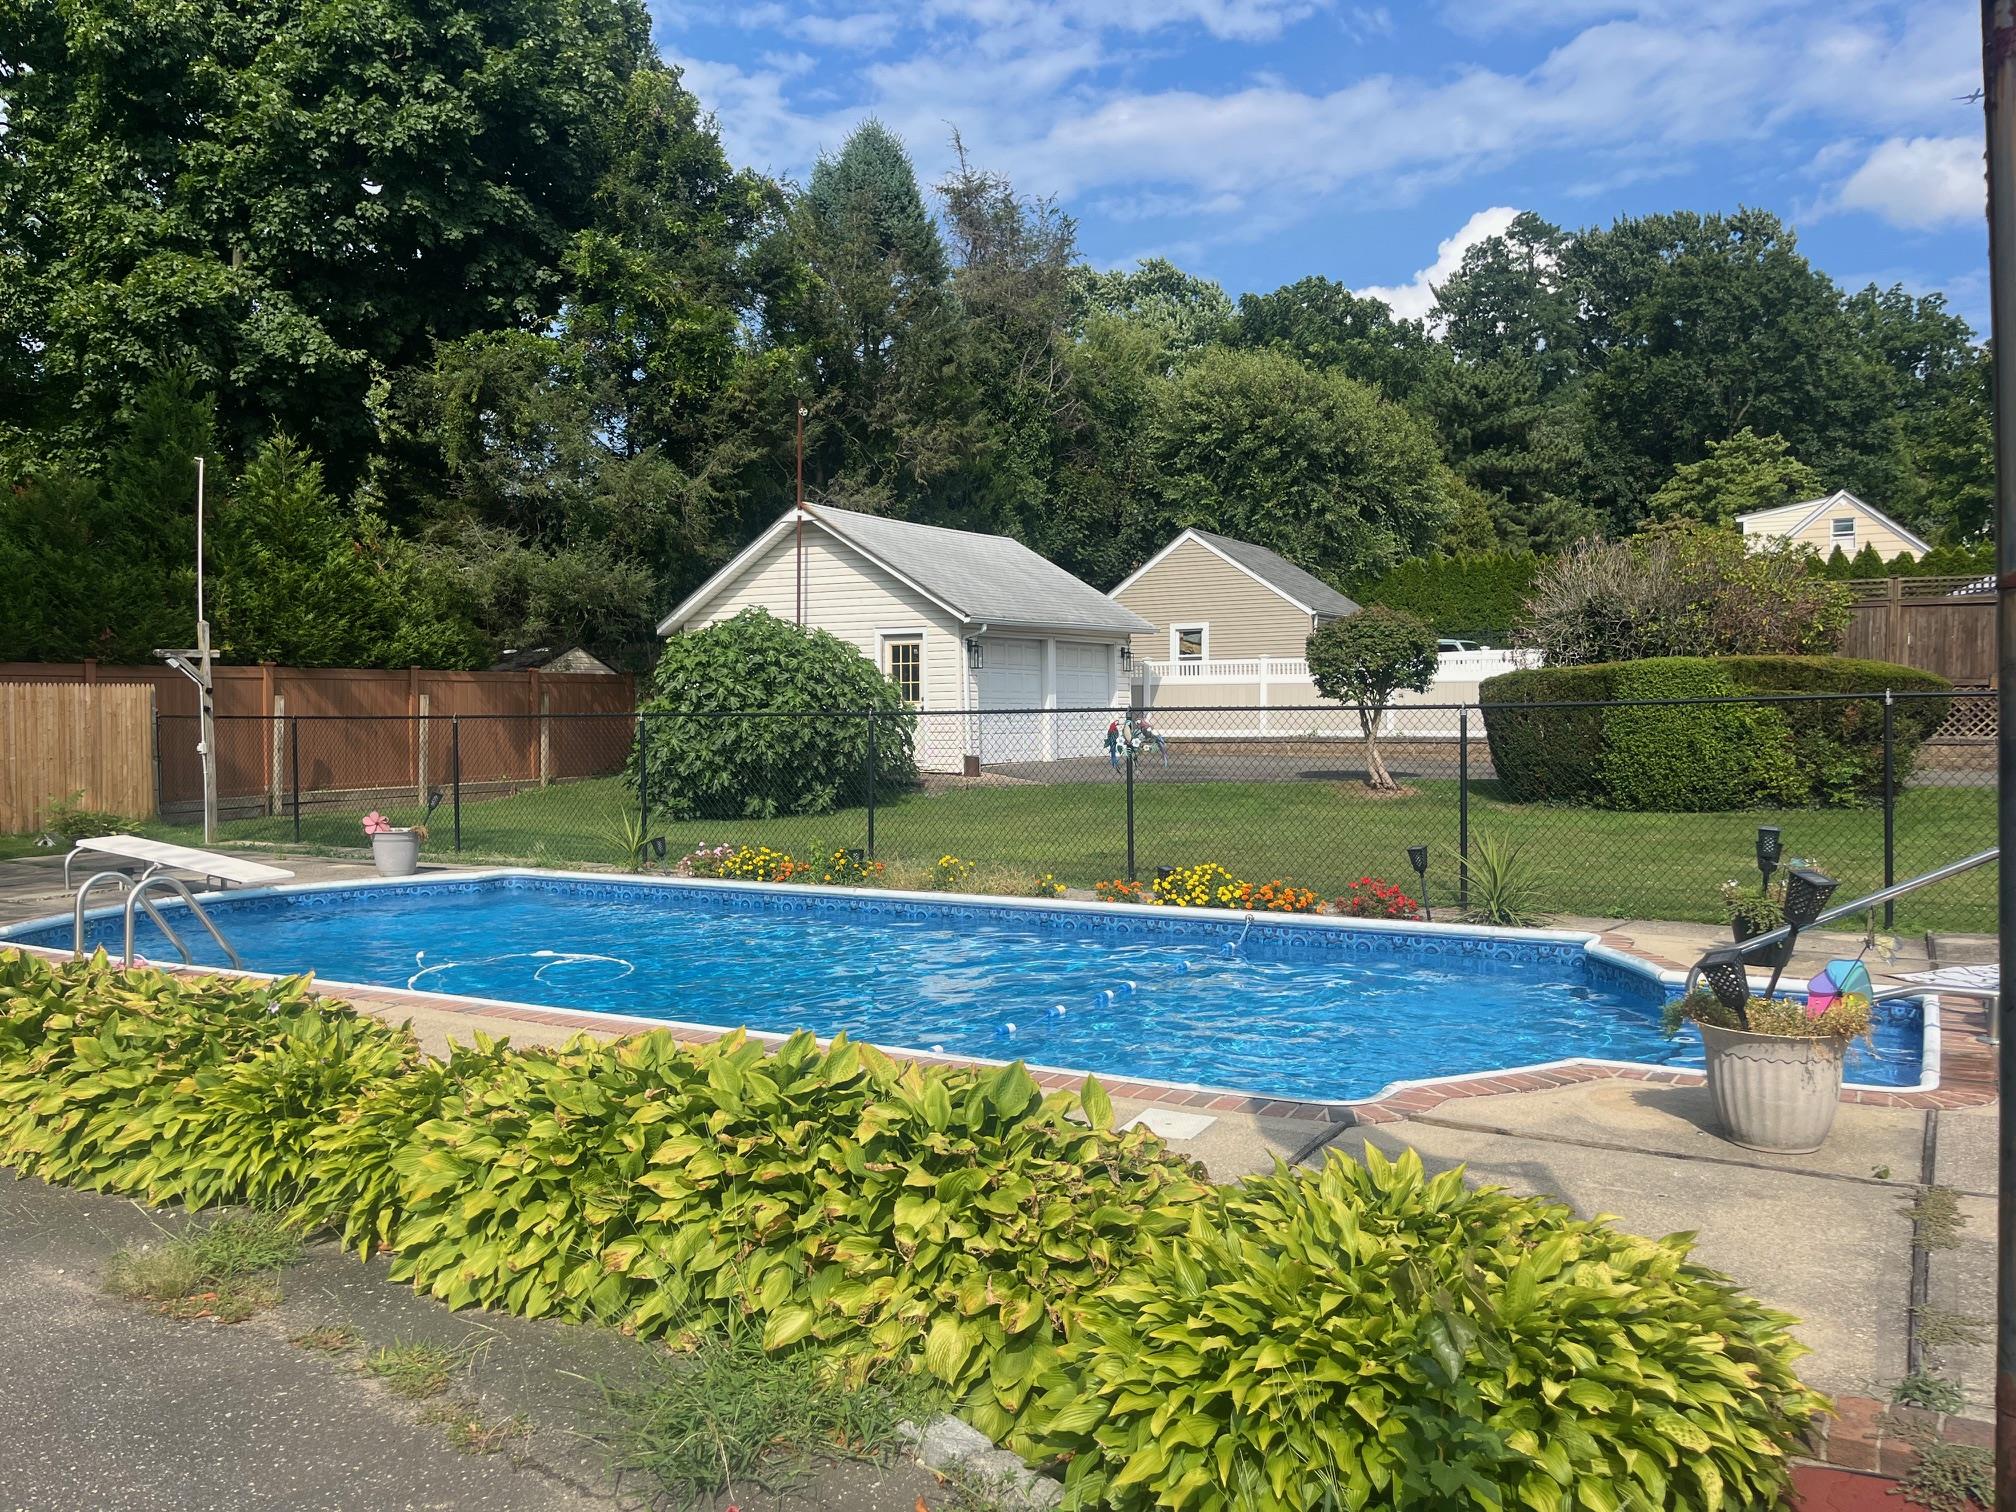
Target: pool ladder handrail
136, 896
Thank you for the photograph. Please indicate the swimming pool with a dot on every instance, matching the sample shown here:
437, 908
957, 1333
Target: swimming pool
1315, 1009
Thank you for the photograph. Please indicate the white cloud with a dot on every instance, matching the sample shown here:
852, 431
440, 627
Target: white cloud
1920, 182
1416, 297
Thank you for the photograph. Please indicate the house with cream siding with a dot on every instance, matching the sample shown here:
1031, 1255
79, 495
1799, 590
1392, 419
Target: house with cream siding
1210, 598
1840, 519
963, 623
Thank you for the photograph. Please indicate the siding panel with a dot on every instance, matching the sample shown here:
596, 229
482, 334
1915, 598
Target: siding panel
1194, 585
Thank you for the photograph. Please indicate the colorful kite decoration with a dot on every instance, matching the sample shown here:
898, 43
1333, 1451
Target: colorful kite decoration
1838, 983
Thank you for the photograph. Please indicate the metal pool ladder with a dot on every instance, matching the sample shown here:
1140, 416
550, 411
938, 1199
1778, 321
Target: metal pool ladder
136, 897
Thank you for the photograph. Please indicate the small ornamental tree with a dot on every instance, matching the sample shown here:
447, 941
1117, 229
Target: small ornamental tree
1364, 659
707, 754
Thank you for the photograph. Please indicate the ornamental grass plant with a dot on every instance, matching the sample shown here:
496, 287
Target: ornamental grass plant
1077, 1291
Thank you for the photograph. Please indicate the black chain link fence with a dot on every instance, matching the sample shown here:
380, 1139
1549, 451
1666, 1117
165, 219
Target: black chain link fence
1016, 796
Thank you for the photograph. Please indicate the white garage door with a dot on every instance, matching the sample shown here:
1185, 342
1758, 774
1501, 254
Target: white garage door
1010, 677
1084, 683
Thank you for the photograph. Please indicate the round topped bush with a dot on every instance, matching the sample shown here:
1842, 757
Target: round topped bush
706, 751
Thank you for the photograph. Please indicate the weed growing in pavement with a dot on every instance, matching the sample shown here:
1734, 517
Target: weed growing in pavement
1929, 1392
1938, 1328
470, 1434
1946, 1477
1936, 1218
726, 1416
411, 1368
329, 1338
223, 1270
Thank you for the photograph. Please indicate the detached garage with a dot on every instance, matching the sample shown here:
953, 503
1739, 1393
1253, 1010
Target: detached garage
1007, 657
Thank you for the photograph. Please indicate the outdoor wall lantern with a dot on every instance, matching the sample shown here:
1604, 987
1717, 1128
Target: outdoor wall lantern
1417, 857
976, 657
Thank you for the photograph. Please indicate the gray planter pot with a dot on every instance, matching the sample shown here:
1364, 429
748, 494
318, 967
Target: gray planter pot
1772, 1093
396, 852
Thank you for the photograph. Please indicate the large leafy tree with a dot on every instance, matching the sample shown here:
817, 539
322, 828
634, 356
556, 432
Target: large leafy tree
1745, 473
1185, 315
1315, 465
287, 199
1329, 327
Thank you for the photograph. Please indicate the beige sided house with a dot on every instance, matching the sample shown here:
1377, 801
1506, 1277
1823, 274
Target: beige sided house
1210, 598
1840, 519
961, 622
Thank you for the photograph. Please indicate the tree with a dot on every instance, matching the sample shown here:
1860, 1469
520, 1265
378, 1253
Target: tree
300, 579
1365, 658
1314, 465
1329, 327
1745, 473
1509, 301
288, 200
1185, 314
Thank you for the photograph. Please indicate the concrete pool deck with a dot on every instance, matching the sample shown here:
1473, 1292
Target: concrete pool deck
1827, 1237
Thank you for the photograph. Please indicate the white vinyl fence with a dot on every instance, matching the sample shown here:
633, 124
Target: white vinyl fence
1271, 693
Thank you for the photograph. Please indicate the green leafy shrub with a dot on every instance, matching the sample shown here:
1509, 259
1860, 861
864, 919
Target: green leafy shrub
71, 821
1704, 757
704, 755
1365, 1336
838, 1196
1502, 887
186, 1089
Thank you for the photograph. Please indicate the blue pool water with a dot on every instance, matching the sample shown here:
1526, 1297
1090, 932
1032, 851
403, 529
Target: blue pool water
1293, 1011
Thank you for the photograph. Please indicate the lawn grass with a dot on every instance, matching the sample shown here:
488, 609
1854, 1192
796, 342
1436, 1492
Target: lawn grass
1322, 834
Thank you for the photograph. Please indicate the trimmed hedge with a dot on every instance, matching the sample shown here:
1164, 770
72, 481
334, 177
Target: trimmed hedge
1077, 1289
1705, 757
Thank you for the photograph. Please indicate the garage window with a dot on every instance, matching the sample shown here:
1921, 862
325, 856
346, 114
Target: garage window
903, 660
1189, 643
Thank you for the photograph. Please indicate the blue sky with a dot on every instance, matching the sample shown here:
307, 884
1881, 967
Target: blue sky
1256, 141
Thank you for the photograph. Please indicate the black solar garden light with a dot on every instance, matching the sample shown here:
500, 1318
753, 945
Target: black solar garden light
657, 847
1725, 971
433, 802
1417, 857
1806, 894
1769, 848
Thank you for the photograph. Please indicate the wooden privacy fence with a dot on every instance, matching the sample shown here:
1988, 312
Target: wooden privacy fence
60, 738
394, 732
1942, 624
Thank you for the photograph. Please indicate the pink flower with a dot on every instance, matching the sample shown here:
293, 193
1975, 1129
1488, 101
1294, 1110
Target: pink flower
376, 823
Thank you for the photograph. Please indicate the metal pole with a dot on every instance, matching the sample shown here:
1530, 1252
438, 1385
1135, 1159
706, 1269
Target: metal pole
871, 784
644, 770
294, 770
455, 772
1130, 815
1463, 807
1889, 803
1998, 59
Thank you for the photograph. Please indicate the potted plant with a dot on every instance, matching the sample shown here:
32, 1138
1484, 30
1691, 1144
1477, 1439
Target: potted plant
1750, 914
1774, 1065
395, 849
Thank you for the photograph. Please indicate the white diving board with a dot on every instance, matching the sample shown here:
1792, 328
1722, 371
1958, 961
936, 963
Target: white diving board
159, 854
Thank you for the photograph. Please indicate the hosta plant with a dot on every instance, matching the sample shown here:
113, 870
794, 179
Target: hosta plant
1365, 1336
878, 1209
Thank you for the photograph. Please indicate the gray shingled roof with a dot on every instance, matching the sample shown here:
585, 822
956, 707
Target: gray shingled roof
1278, 572
989, 579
